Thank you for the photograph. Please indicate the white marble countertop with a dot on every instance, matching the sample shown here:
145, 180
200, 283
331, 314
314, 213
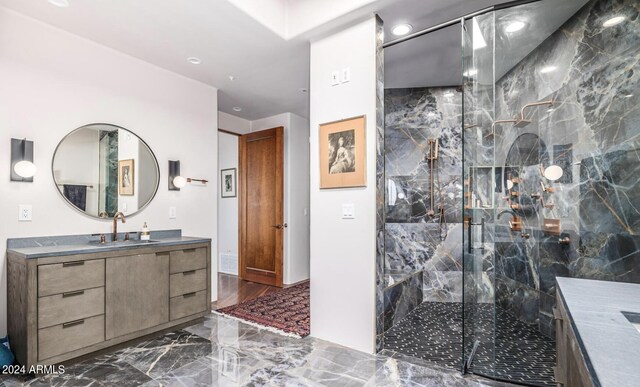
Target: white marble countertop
609, 342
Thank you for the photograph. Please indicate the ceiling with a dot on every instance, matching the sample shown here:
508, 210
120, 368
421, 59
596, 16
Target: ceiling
435, 59
269, 63
269, 71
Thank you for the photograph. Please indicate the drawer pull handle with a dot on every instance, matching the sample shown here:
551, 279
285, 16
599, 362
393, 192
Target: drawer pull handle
189, 295
189, 251
189, 272
71, 294
76, 263
73, 323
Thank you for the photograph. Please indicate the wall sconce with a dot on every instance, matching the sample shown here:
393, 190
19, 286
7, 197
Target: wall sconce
176, 181
22, 166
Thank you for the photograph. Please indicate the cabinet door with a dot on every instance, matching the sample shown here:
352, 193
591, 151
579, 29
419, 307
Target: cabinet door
137, 293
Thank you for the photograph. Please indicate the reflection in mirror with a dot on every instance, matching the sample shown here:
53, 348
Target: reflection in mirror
101, 169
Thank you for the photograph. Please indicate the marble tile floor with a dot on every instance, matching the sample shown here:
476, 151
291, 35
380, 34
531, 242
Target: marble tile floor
433, 332
225, 352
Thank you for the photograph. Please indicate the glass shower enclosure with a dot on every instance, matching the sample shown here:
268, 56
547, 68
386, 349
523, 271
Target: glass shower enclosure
550, 145
522, 167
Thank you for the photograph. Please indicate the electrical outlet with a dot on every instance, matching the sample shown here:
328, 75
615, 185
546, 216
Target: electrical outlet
348, 211
345, 75
335, 78
173, 213
25, 212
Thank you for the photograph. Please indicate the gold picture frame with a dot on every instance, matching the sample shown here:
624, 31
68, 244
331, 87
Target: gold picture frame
343, 155
126, 177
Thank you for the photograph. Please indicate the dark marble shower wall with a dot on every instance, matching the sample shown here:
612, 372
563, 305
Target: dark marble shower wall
593, 133
417, 244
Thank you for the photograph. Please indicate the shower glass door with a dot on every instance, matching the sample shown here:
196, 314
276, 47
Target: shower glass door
479, 193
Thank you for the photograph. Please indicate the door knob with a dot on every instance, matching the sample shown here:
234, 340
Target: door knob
278, 226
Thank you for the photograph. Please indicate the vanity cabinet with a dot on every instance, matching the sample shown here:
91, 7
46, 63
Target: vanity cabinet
571, 368
135, 298
62, 307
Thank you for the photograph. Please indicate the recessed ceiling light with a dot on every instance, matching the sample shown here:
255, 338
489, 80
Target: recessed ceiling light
401, 29
470, 72
237, 109
515, 26
232, 78
194, 60
614, 21
548, 69
60, 3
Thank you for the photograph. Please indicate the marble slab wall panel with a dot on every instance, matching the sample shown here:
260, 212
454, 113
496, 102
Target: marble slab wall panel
415, 243
401, 299
380, 186
592, 130
412, 117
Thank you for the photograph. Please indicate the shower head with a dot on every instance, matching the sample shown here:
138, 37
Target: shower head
521, 123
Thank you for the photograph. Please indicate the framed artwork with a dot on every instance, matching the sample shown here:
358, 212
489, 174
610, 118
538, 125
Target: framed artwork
343, 153
126, 178
228, 183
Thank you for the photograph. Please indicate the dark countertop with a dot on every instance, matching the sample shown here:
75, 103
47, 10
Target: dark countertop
609, 342
42, 247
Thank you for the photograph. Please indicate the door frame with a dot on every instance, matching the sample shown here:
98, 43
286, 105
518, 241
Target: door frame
242, 200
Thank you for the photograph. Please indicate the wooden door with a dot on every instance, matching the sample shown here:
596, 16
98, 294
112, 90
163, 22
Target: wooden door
137, 293
261, 225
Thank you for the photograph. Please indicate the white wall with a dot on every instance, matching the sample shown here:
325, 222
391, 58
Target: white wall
296, 192
233, 124
53, 82
227, 207
343, 251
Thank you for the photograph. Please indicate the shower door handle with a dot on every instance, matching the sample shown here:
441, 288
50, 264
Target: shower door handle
470, 236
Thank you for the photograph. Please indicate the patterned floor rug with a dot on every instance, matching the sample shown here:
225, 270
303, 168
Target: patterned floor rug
285, 311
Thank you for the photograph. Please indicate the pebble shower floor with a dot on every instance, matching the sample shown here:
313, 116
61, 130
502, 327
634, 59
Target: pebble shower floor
433, 332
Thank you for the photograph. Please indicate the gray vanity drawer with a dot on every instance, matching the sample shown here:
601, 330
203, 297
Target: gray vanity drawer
188, 259
69, 276
70, 336
70, 306
188, 304
187, 282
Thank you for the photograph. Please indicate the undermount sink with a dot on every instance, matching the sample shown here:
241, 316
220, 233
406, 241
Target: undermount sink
634, 319
124, 243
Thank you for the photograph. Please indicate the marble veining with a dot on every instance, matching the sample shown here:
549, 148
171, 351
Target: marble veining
224, 352
591, 131
380, 186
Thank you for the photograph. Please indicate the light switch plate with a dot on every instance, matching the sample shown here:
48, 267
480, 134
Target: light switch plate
335, 78
25, 213
348, 211
345, 75
173, 213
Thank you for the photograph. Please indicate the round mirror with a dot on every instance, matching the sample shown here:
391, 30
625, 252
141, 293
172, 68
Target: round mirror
102, 169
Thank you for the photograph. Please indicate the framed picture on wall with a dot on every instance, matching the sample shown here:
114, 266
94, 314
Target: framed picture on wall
343, 153
126, 177
228, 183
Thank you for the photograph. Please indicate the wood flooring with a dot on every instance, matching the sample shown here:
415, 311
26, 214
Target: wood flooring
232, 290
